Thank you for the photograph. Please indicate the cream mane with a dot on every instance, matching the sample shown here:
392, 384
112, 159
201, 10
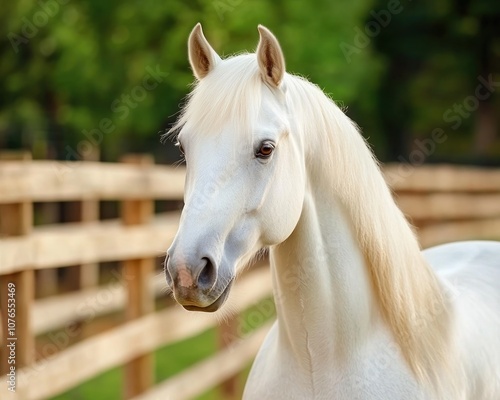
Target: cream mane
230, 94
410, 296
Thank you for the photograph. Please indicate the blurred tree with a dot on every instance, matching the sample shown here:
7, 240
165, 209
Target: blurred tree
487, 14
438, 53
90, 73
79, 75
111, 74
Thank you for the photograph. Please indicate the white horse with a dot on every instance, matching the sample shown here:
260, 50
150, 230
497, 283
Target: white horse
273, 163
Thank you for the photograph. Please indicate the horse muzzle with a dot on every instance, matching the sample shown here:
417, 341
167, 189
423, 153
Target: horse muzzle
196, 285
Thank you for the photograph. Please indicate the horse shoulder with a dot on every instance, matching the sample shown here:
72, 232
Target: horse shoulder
378, 372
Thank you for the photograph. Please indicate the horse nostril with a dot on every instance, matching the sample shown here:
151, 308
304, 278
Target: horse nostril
207, 275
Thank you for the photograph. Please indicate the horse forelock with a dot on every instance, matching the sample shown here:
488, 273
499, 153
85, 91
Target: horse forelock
230, 95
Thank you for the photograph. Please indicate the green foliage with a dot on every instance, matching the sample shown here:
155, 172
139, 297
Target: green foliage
85, 62
75, 74
436, 52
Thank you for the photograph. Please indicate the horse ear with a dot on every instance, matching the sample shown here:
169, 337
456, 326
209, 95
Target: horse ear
201, 55
270, 57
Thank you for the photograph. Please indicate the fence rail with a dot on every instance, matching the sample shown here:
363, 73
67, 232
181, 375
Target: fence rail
57, 181
96, 241
445, 203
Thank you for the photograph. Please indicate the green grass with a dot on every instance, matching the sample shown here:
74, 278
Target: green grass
170, 360
105, 386
176, 357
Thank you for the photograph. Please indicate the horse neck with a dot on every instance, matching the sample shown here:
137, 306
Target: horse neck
323, 295
353, 256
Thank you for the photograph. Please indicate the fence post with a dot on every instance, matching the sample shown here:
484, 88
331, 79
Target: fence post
16, 219
139, 373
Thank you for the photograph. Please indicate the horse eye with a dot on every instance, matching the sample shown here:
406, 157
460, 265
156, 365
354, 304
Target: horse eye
265, 150
179, 145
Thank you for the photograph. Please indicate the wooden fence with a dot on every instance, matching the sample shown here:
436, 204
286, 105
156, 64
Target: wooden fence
445, 203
